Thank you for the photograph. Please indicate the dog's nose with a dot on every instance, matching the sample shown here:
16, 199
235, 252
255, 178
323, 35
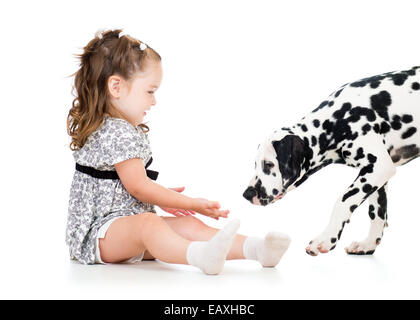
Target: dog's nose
250, 193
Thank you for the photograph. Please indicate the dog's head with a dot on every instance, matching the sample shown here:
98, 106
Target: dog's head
278, 166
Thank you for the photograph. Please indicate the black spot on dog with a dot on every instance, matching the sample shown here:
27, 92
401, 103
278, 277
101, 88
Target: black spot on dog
304, 128
353, 207
323, 143
360, 154
342, 227
306, 141
411, 72
366, 128
342, 131
316, 123
275, 191
396, 122
374, 84
322, 105
357, 112
382, 202
314, 141
366, 170
333, 240
385, 127
362, 253
339, 114
415, 86
350, 194
380, 103
371, 158
371, 212
328, 126
399, 78
363, 180
410, 131
331, 103
363, 82
367, 188
407, 118
338, 93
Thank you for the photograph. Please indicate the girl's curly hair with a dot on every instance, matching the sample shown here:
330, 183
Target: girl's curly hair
109, 53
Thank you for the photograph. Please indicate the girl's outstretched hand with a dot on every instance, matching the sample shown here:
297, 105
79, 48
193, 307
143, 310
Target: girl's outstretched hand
209, 208
178, 212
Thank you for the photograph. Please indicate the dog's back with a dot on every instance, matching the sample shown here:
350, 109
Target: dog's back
388, 104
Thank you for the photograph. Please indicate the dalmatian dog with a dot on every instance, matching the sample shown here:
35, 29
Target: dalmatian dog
371, 124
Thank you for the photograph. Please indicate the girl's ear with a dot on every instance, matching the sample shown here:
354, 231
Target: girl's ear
114, 86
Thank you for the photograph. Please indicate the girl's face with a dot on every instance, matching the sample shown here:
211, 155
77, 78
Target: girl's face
134, 98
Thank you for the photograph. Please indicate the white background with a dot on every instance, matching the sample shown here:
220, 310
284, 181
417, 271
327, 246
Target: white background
234, 71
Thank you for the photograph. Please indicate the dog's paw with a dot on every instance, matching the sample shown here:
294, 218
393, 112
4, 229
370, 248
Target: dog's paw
366, 247
321, 244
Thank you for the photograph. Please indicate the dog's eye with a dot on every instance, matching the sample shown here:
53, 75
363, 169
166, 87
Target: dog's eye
267, 165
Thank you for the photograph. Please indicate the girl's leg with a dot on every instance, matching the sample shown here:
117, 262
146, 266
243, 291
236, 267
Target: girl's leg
129, 236
267, 251
194, 229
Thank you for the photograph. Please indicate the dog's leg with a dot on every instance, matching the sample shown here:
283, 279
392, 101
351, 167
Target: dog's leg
377, 169
378, 215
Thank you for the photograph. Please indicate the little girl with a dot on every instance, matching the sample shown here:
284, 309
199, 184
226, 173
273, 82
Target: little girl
111, 216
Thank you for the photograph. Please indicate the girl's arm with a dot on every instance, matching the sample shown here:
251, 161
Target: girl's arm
133, 176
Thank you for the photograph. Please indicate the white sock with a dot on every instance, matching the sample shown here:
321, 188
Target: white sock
267, 251
210, 256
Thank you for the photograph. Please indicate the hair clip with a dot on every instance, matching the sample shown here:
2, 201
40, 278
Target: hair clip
142, 46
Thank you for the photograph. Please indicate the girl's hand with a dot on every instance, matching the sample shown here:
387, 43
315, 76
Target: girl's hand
178, 212
209, 208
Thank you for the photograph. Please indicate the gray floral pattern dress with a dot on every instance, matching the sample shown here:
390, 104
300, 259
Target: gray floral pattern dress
95, 201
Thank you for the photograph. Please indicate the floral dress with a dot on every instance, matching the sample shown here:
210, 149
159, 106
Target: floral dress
94, 201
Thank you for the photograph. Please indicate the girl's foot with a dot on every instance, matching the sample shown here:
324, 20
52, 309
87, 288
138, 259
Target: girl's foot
210, 256
267, 251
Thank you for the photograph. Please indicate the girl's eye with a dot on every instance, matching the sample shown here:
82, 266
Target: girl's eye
151, 92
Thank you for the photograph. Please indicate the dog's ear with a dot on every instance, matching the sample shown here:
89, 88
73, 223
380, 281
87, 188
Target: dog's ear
290, 155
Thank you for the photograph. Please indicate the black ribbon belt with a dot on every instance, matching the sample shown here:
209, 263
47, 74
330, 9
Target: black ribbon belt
112, 174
